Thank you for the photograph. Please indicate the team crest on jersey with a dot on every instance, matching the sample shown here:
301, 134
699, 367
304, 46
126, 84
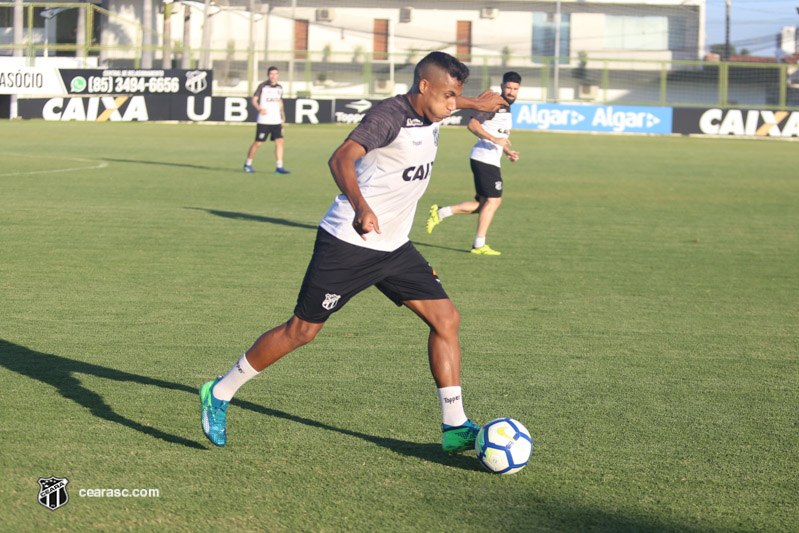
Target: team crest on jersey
331, 300
53, 492
498, 185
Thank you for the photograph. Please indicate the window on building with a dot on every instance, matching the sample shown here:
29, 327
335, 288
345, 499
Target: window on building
627, 32
380, 46
677, 33
7, 17
300, 39
544, 27
463, 40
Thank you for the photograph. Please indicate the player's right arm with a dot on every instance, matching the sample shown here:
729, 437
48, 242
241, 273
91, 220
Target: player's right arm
342, 166
477, 128
488, 101
255, 105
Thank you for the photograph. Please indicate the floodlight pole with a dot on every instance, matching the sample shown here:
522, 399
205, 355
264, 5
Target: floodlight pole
185, 58
727, 34
18, 17
293, 46
205, 54
147, 36
166, 51
252, 58
18, 32
556, 77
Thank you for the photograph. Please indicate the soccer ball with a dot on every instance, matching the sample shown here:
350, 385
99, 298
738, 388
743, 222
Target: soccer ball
504, 446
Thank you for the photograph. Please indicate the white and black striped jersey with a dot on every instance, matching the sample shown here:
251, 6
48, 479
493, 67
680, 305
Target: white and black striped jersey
400, 148
269, 97
498, 125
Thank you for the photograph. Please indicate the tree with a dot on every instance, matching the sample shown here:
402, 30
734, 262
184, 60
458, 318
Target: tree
720, 49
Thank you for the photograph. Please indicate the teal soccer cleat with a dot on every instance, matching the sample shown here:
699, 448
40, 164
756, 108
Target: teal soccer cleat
459, 439
214, 414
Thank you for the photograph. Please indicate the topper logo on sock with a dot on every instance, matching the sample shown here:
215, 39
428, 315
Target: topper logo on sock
453, 399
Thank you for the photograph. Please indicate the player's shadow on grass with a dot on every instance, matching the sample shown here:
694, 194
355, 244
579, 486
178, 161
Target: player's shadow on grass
171, 164
62, 374
461, 250
283, 222
255, 218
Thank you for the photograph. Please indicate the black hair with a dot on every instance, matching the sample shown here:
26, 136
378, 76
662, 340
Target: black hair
270, 69
445, 62
512, 77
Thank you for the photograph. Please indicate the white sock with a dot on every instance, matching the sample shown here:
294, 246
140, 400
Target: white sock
241, 373
279, 163
451, 400
249, 162
444, 212
479, 242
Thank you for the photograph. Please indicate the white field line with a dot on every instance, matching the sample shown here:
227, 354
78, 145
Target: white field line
99, 164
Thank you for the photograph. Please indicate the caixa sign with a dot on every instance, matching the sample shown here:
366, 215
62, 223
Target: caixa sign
737, 122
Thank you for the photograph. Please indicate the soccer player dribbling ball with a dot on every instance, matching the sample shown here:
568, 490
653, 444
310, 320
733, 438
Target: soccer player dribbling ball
382, 169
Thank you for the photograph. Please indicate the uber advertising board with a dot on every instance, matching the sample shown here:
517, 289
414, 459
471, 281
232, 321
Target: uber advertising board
144, 108
592, 118
136, 81
736, 122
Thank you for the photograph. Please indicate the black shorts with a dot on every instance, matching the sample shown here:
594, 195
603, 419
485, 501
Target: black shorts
264, 130
339, 270
487, 180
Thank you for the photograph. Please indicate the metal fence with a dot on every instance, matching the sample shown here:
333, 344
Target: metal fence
324, 73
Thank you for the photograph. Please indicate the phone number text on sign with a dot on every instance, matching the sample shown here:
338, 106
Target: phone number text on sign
133, 84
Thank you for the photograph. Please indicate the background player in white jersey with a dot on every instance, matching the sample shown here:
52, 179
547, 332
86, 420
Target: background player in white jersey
492, 130
268, 101
382, 170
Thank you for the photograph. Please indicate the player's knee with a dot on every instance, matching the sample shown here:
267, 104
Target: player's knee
303, 332
494, 201
447, 322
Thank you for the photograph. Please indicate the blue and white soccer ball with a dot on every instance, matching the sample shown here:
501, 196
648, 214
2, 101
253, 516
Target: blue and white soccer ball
504, 446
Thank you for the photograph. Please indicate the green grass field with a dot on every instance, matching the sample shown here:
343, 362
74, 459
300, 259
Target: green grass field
642, 322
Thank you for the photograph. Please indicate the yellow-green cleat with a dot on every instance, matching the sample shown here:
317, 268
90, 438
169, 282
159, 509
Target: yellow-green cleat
434, 219
485, 250
459, 439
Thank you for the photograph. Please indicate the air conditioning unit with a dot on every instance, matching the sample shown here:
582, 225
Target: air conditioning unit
384, 86
325, 14
588, 92
489, 13
406, 14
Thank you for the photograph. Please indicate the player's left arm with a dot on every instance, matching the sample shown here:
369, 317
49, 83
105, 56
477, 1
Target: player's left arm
487, 101
282, 114
342, 166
